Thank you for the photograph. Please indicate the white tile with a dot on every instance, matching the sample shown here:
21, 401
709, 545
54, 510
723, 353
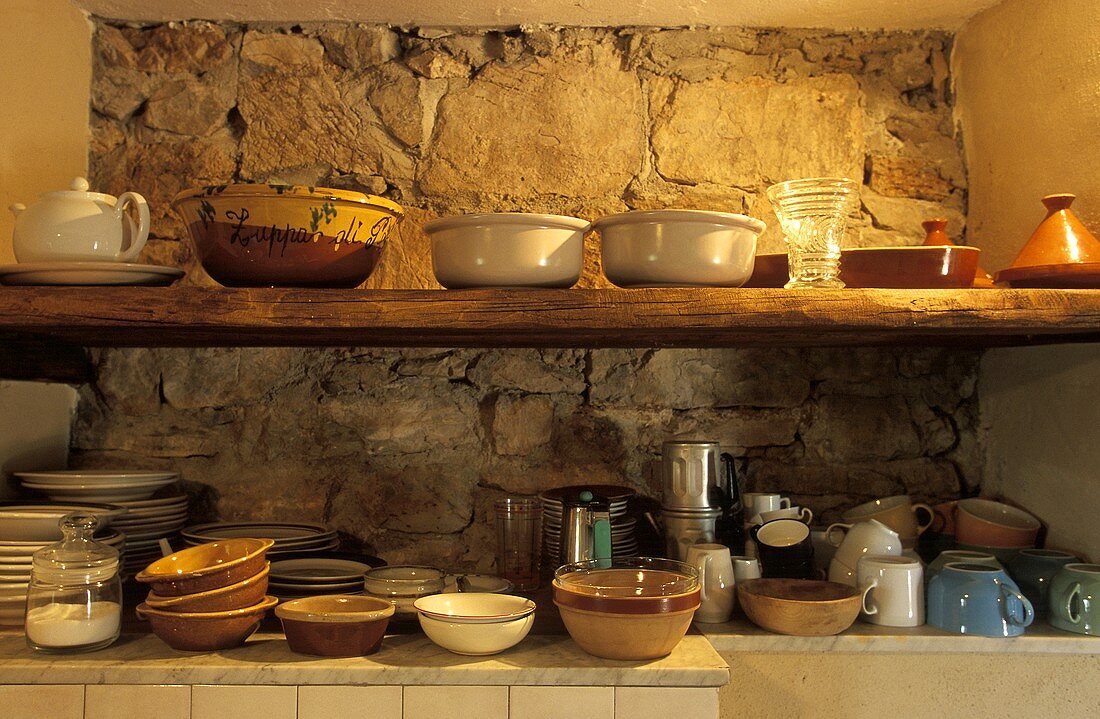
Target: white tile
665, 702
428, 702
243, 702
32, 701
349, 702
137, 701
555, 702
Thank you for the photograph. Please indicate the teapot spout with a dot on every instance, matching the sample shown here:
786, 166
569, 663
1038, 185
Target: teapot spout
17, 208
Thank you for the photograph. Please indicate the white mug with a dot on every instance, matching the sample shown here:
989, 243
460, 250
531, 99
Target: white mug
859, 540
802, 514
893, 590
716, 582
756, 502
745, 568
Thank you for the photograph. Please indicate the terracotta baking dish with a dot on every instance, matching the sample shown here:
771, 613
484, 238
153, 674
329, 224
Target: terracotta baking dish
207, 566
910, 267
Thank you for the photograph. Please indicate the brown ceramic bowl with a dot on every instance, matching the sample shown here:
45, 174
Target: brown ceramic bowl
910, 267
336, 625
800, 607
207, 566
206, 631
633, 608
286, 235
236, 596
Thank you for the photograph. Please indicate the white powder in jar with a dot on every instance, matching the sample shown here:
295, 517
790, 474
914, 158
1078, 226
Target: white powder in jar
73, 625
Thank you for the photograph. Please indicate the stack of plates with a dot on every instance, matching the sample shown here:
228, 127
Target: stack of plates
290, 537
310, 576
96, 485
146, 522
624, 543
15, 572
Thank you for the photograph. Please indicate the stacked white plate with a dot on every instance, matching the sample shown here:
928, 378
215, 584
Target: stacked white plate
15, 572
624, 543
290, 537
309, 576
146, 523
97, 485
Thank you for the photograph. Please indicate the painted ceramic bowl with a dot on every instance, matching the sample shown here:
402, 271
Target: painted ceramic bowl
286, 235
207, 566
243, 594
206, 631
475, 623
336, 625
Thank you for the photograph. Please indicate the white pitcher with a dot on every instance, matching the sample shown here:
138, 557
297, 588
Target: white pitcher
716, 581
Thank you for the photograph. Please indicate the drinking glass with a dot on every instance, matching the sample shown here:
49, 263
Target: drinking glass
519, 539
814, 216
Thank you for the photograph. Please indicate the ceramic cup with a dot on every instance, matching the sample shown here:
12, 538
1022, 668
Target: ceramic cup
974, 599
993, 524
757, 502
1075, 599
862, 538
893, 590
785, 549
959, 555
899, 513
802, 514
745, 568
1033, 569
716, 582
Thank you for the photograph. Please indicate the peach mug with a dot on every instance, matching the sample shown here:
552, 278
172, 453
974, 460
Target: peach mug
983, 522
899, 513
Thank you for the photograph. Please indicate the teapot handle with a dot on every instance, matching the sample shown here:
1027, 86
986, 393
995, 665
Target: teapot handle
137, 242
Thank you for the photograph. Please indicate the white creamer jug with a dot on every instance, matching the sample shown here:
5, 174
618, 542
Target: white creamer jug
78, 225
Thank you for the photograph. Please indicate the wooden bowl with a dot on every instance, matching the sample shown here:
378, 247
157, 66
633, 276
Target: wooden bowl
207, 566
206, 631
236, 596
800, 607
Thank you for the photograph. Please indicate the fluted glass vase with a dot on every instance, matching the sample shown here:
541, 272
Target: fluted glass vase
814, 216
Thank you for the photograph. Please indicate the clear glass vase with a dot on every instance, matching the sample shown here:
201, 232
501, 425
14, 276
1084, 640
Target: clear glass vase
814, 216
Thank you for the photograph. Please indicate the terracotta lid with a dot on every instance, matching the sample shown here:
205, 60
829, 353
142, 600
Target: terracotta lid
1060, 238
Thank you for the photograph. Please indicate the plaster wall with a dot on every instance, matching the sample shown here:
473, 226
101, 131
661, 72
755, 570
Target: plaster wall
46, 56
1028, 81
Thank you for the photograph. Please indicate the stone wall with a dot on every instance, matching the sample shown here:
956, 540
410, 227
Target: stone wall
404, 450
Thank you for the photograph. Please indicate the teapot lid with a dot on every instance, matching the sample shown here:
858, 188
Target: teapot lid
78, 189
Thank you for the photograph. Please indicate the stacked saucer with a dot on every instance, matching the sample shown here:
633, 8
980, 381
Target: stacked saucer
146, 523
624, 543
310, 576
291, 538
97, 485
15, 571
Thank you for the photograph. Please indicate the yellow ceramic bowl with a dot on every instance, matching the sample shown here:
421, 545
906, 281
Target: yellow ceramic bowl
206, 631
235, 596
286, 235
207, 566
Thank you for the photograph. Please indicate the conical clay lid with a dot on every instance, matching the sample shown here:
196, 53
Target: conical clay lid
1060, 239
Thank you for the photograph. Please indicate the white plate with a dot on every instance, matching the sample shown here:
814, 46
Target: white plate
271, 530
317, 570
141, 513
175, 500
289, 553
97, 495
33, 522
153, 534
330, 587
87, 273
143, 523
68, 477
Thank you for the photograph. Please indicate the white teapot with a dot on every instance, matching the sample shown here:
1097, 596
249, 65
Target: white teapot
77, 225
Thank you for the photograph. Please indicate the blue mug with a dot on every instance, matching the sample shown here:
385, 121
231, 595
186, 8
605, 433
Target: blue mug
1032, 569
975, 599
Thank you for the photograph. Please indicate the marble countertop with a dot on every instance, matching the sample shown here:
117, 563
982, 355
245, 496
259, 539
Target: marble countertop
740, 635
403, 659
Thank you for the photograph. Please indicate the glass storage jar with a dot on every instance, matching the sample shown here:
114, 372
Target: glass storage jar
74, 603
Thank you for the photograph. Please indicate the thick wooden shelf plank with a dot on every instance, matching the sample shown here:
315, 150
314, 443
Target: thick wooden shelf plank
188, 316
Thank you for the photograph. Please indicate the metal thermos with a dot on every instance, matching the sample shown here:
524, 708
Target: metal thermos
585, 530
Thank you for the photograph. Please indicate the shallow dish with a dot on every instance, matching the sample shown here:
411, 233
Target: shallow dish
286, 235
318, 571
507, 249
205, 631
799, 607
678, 248
335, 625
477, 583
474, 607
38, 521
205, 567
402, 585
475, 638
908, 267
243, 594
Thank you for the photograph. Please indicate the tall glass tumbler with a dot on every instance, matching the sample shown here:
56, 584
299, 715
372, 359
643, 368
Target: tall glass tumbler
519, 540
814, 216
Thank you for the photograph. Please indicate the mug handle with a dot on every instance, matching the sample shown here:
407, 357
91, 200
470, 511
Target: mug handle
866, 594
931, 516
1029, 612
829, 532
784, 499
1074, 595
807, 515
137, 242
702, 559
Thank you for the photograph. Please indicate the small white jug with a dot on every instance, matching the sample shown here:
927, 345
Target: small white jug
716, 581
78, 225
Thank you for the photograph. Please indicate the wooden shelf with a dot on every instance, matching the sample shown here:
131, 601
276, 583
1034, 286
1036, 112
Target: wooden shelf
54, 317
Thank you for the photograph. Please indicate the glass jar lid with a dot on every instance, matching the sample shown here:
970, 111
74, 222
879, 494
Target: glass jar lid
77, 558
